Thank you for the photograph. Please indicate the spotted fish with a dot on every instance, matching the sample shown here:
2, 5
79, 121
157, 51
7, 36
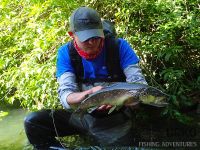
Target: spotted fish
122, 93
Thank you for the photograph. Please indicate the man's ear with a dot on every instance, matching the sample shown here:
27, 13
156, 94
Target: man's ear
71, 34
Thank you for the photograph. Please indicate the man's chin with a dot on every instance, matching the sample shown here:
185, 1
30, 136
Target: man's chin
92, 52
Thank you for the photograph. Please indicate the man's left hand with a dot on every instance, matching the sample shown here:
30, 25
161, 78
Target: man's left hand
104, 107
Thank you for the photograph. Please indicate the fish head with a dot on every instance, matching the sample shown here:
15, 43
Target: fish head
154, 97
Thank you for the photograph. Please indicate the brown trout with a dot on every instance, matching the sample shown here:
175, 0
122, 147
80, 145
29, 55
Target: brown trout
122, 93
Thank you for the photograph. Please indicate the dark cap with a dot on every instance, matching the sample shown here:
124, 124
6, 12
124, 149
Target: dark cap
86, 23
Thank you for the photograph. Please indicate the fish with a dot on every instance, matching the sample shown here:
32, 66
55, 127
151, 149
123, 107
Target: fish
124, 94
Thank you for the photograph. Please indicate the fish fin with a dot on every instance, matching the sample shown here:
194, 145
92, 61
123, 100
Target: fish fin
112, 109
132, 104
90, 110
118, 108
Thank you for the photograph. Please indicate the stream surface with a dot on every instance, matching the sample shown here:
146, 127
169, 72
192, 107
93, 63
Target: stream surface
154, 130
12, 134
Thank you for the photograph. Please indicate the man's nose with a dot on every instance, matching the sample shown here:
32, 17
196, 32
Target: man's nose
93, 40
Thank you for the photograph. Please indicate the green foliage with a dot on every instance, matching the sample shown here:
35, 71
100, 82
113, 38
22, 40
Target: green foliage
31, 32
164, 33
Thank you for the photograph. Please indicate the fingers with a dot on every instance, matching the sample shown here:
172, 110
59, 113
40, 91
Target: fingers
96, 88
104, 107
108, 107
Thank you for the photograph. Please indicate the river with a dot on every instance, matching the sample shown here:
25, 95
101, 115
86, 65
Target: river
12, 134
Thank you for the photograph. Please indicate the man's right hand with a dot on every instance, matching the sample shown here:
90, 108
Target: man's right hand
96, 88
77, 97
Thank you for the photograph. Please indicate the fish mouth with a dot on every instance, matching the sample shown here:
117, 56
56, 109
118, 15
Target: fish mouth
158, 101
154, 96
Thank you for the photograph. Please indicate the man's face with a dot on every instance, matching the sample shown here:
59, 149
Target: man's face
90, 46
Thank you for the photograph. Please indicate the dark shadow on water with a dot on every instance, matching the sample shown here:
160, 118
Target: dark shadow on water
150, 130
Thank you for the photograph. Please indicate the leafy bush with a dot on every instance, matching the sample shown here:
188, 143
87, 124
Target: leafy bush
31, 32
165, 34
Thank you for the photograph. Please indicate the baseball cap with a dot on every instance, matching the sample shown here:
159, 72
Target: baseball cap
86, 23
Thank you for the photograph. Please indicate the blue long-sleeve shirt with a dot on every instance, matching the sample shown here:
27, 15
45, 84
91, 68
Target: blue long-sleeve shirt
95, 68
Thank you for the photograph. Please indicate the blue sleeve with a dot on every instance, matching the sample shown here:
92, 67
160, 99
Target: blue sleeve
63, 63
127, 54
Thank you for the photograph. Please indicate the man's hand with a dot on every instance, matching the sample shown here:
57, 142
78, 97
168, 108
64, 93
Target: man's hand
96, 88
77, 97
104, 107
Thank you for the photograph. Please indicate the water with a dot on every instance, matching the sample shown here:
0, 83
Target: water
12, 134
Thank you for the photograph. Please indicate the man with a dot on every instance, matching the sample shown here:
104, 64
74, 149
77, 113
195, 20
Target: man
91, 45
